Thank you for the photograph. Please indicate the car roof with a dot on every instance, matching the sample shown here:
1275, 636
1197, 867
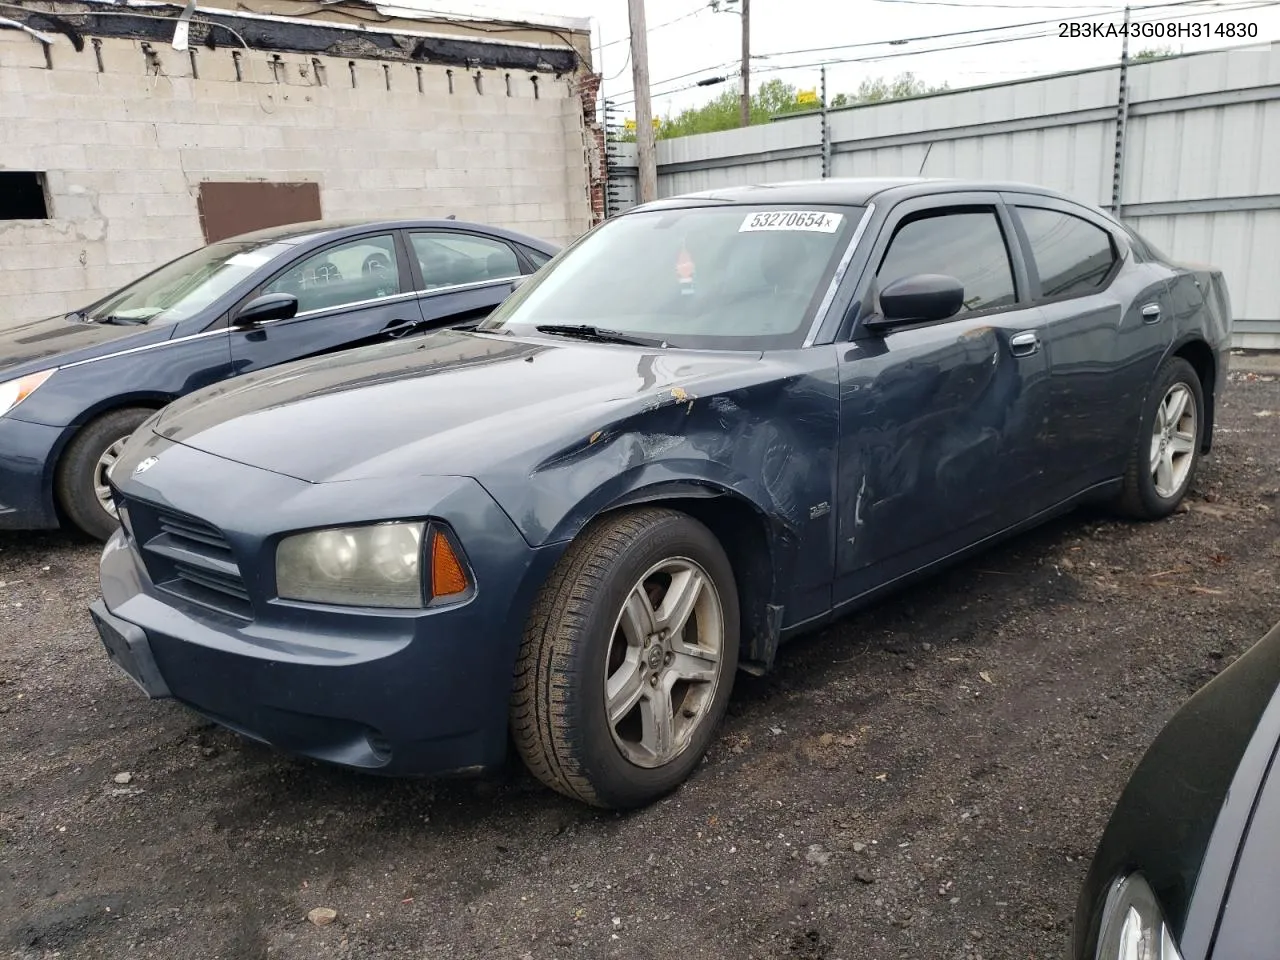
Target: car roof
324, 230
850, 191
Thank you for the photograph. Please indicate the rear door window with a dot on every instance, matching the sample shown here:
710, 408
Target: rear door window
1073, 256
453, 259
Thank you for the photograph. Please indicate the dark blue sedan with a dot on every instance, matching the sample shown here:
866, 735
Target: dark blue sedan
73, 388
713, 423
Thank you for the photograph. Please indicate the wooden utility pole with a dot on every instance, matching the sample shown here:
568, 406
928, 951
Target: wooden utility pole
746, 63
646, 158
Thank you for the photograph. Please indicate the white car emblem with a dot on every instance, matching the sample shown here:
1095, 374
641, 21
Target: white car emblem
145, 465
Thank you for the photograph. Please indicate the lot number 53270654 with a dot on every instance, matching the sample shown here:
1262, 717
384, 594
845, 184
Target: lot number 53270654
814, 220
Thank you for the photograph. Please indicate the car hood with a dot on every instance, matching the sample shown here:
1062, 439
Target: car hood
450, 403
53, 341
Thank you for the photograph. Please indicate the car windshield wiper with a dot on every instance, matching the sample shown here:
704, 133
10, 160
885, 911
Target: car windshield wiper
121, 321
584, 331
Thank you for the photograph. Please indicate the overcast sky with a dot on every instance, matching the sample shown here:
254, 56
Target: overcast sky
706, 43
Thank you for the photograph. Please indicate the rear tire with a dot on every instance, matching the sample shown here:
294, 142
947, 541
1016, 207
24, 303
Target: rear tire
628, 660
80, 482
1166, 451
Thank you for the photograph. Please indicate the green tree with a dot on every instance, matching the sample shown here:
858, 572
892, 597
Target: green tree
774, 98
905, 85
1154, 53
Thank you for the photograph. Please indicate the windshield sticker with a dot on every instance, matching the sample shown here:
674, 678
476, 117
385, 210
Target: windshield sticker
813, 221
684, 271
251, 258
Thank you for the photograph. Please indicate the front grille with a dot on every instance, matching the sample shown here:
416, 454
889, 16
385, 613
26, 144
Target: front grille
189, 558
230, 584
189, 528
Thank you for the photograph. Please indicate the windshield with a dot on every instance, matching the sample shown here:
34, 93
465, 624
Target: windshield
723, 277
187, 285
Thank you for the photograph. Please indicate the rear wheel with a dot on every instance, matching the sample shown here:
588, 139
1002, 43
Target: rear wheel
1166, 450
81, 482
628, 660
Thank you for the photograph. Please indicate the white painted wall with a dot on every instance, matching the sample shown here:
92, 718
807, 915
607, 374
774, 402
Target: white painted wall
125, 149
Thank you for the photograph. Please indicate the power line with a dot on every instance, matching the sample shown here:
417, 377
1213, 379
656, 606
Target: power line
959, 33
1238, 8
1010, 6
692, 13
626, 65
935, 36
977, 30
1233, 8
998, 6
681, 76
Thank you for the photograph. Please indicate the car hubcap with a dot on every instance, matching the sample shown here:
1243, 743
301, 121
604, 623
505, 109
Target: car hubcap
664, 663
1173, 440
100, 488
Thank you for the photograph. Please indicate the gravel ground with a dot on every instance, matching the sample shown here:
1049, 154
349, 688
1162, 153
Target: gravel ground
925, 779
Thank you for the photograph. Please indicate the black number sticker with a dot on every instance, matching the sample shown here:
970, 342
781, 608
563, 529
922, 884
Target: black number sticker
810, 220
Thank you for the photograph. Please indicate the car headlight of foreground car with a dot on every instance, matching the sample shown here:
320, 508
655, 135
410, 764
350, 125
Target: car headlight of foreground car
1133, 925
13, 392
401, 565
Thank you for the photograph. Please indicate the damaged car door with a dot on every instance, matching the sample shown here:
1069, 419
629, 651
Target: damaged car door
943, 389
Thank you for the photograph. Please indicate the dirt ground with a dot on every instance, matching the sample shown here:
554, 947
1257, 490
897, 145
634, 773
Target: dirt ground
925, 779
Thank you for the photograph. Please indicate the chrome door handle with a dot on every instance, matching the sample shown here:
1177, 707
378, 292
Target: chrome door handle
1024, 344
1151, 313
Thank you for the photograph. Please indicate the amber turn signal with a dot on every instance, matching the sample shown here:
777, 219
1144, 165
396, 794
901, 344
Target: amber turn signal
448, 579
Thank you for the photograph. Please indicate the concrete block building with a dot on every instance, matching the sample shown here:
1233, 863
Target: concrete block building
130, 133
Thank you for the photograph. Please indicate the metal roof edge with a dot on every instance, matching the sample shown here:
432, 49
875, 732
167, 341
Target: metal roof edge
490, 15
402, 13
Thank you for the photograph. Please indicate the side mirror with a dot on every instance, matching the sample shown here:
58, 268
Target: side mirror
918, 299
270, 306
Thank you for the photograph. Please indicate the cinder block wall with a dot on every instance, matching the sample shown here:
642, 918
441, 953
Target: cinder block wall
125, 137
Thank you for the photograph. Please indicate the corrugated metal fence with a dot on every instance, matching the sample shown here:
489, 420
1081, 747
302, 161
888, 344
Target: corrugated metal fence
1201, 169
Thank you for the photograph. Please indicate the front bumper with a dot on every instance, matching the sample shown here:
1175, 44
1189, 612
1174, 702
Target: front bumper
27, 455
392, 692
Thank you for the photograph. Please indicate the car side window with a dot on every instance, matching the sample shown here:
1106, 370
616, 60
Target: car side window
1073, 256
536, 257
450, 259
967, 245
348, 273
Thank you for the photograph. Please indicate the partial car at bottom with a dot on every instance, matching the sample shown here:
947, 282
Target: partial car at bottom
73, 388
711, 424
1188, 867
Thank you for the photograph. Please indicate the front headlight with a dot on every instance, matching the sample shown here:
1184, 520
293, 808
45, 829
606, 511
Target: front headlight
379, 565
1133, 925
13, 392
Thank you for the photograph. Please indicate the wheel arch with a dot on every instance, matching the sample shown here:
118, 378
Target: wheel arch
144, 400
756, 545
148, 399
1197, 352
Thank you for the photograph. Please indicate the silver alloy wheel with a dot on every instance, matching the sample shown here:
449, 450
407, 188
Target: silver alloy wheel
664, 662
1173, 440
100, 488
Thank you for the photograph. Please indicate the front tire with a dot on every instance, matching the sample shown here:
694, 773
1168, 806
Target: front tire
1166, 450
628, 660
81, 481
